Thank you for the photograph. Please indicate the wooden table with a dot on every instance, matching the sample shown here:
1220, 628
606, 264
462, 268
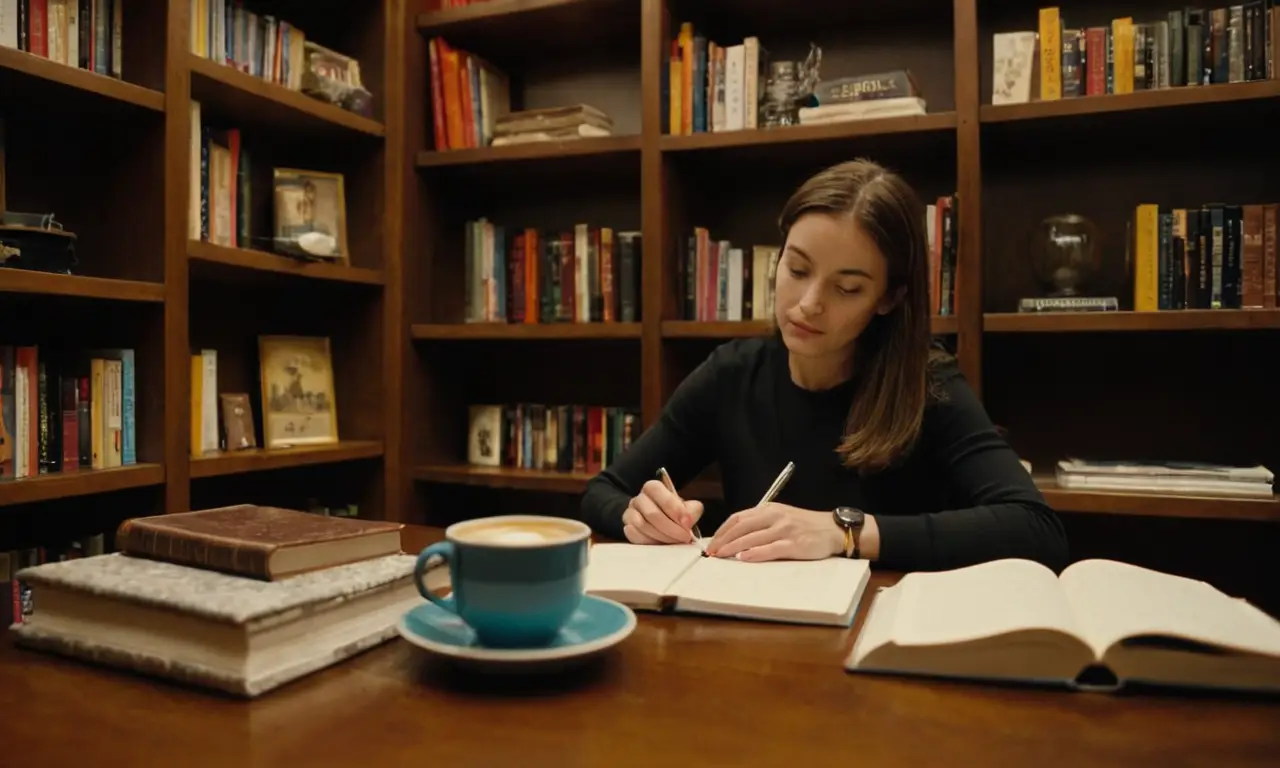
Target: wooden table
680, 691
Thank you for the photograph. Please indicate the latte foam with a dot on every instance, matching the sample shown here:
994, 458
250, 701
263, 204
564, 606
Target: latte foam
517, 532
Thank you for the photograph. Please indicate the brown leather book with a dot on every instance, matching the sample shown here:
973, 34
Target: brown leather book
267, 543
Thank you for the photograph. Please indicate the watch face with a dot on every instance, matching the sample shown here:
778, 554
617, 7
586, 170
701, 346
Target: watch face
849, 516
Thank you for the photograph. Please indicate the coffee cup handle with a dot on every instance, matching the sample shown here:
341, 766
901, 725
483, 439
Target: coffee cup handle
442, 549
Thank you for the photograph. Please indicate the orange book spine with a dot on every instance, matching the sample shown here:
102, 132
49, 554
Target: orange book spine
532, 305
452, 98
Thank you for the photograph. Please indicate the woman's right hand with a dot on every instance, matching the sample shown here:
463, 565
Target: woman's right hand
658, 516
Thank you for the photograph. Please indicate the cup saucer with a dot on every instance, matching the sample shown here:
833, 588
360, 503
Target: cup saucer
598, 624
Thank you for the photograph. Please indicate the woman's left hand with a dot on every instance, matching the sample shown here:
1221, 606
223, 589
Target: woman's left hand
777, 532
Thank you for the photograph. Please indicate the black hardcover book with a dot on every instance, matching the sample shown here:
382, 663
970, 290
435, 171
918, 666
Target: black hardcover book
1233, 236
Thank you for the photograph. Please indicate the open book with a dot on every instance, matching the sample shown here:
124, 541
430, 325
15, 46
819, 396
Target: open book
676, 577
1100, 624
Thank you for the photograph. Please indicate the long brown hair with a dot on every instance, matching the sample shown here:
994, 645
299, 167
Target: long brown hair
892, 355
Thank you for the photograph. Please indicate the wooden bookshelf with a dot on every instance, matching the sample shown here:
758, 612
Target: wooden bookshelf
1114, 384
937, 123
1160, 99
1159, 505
692, 329
503, 477
59, 485
247, 260
551, 150
78, 286
1179, 320
259, 460
110, 156
267, 103
26, 74
525, 331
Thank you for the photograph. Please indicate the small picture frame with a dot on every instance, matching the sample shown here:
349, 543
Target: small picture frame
237, 421
299, 406
310, 214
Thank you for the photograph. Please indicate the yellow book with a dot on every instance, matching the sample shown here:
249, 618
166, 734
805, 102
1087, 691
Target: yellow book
197, 399
686, 78
1122, 45
1050, 54
97, 413
1146, 258
675, 100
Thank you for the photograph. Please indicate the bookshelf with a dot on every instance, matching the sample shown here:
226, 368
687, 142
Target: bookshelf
1119, 383
110, 156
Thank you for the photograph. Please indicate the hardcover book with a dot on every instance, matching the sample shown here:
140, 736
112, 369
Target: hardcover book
235, 634
1100, 624
259, 542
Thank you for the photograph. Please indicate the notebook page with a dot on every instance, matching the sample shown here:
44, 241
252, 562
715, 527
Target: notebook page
1117, 600
774, 588
637, 568
979, 601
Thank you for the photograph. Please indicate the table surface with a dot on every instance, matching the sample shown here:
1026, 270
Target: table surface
681, 690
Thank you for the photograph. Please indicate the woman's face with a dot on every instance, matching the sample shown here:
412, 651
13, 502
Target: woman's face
831, 281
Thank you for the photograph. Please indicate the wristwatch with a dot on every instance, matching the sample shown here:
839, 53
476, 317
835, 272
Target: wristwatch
850, 520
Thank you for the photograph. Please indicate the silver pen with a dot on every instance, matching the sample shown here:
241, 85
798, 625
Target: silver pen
778, 484
694, 532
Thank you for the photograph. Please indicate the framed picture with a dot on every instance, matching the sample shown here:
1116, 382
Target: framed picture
310, 214
298, 403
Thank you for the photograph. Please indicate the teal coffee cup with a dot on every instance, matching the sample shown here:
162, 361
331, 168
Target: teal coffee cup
517, 579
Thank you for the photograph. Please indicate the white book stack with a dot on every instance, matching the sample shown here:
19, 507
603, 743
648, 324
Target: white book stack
240, 635
1178, 478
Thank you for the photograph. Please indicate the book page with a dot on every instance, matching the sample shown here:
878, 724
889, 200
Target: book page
1114, 601
980, 601
775, 589
621, 570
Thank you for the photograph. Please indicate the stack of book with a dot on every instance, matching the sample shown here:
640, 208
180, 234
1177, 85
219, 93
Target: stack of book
1173, 477
241, 599
555, 124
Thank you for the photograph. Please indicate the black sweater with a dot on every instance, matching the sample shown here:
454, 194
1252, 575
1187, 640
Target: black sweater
959, 498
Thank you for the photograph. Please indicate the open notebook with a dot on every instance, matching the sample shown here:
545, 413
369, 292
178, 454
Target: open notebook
1100, 624
676, 577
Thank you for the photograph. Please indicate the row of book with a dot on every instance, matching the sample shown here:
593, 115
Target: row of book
66, 413
219, 200
566, 438
261, 45
1187, 47
724, 282
85, 34
590, 274
1215, 256
16, 603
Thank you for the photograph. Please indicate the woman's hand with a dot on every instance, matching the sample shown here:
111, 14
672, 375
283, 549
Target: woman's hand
658, 516
777, 532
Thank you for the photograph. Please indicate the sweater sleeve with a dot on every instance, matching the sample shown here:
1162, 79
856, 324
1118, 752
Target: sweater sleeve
682, 440
1000, 513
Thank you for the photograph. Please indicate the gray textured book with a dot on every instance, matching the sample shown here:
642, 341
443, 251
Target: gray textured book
232, 633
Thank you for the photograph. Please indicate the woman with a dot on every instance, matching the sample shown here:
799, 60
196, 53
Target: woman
896, 460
